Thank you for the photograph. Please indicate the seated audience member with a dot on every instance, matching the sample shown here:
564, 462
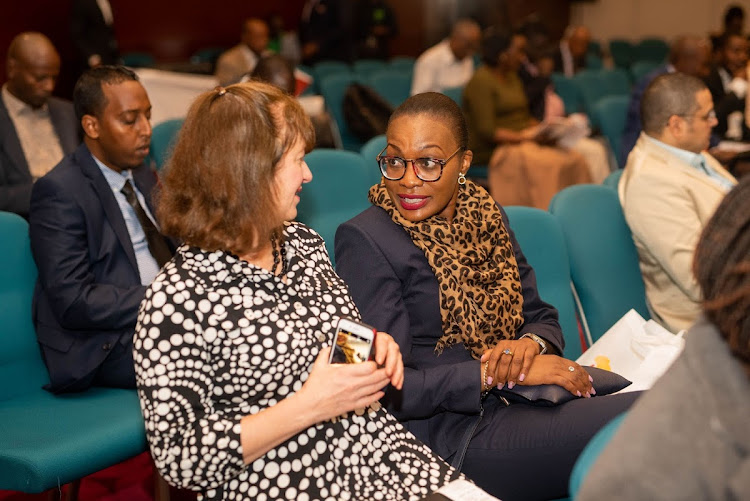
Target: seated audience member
94, 238
248, 306
324, 31
281, 41
523, 170
687, 438
449, 63
689, 55
278, 71
92, 31
733, 23
435, 263
728, 85
376, 28
36, 129
243, 57
669, 190
570, 58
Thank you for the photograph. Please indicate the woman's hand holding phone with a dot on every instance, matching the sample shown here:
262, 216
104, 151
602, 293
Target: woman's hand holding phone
388, 355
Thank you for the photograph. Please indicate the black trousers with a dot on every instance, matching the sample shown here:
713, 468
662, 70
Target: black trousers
528, 452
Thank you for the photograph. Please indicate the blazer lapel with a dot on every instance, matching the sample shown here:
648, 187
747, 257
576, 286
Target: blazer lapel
11, 144
111, 209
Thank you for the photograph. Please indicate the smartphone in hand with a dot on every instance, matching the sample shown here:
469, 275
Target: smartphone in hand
352, 342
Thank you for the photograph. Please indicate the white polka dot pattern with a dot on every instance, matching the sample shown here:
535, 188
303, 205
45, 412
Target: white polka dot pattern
217, 339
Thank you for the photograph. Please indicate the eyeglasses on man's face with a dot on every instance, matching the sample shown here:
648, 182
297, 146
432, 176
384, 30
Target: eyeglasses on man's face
427, 169
711, 115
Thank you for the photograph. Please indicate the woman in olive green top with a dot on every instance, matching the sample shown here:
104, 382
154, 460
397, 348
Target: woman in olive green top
524, 167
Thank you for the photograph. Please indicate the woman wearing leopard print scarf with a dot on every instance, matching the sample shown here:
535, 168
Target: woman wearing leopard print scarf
434, 263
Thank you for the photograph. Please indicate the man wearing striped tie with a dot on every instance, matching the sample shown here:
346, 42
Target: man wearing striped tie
94, 237
669, 189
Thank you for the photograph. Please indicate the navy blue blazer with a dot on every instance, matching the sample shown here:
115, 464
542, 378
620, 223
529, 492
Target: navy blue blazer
15, 177
396, 291
89, 289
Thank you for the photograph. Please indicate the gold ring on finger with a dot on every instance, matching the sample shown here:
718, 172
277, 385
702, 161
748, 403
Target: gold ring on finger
507, 351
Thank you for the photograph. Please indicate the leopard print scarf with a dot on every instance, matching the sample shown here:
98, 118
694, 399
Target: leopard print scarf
473, 261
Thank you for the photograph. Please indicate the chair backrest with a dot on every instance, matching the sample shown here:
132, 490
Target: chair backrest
337, 192
455, 93
364, 68
207, 55
651, 49
21, 366
603, 258
616, 81
569, 92
595, 85
163, 137
640, 69
593, 61
138, 59
369, 151
402, 63
610, 113
613, 179
325, 69
333, 88
393, 85
621, 52
591, 453
543, 244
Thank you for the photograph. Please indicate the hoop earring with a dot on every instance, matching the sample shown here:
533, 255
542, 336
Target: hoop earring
461, 178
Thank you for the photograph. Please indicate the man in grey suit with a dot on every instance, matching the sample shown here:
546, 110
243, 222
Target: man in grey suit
36, 130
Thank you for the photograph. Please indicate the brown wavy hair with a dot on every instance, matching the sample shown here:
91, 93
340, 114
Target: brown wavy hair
722, 267
218, 189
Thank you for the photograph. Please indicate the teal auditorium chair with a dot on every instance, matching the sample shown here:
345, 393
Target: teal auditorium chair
591, 453
569, 92
610, 114
595, 85
337, 193
393, 85
364, 68
324, 69
138, 59
369, 154
163, 137
207, 55
402, 63
640, 69
455, 93
651, 49
613, 179
543, 244
47, 440
332, 88
603, 259
621, 52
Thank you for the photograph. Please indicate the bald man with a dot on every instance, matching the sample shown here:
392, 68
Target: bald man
36, 130
571, 56
688, 54
449, 63
243, 57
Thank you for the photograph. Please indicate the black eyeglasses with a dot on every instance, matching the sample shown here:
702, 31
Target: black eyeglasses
711, 115
427, 169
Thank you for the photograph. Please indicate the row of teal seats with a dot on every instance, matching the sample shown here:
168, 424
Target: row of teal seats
362, 68
625, 53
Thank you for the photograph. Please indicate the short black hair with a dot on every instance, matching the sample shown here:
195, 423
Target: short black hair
440, 107
277, 70
88, 96
733, 12
495, 41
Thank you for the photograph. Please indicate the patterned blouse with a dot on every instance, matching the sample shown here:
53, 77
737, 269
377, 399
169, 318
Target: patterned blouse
217, 339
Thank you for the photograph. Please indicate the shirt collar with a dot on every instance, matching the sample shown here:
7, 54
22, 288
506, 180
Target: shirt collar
690, 158
17, 107
116, 180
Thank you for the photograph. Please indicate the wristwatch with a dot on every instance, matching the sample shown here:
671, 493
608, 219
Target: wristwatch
537, 339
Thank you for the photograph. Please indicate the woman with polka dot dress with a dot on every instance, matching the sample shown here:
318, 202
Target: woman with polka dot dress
233, 337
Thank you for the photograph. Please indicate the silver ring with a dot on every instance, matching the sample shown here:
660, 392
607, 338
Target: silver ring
507, 351
571, 368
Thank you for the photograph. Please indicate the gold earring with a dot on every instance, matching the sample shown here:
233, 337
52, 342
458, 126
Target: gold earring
461, 178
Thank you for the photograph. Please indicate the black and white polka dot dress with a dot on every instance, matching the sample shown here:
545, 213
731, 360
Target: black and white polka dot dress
217, 339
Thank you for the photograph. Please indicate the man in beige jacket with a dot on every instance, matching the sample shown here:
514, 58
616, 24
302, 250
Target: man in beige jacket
669, 189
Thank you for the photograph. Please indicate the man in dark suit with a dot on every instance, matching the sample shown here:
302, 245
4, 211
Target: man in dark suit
690, 55
94, 237
93, 34
570, 58
728, 82
36, 130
